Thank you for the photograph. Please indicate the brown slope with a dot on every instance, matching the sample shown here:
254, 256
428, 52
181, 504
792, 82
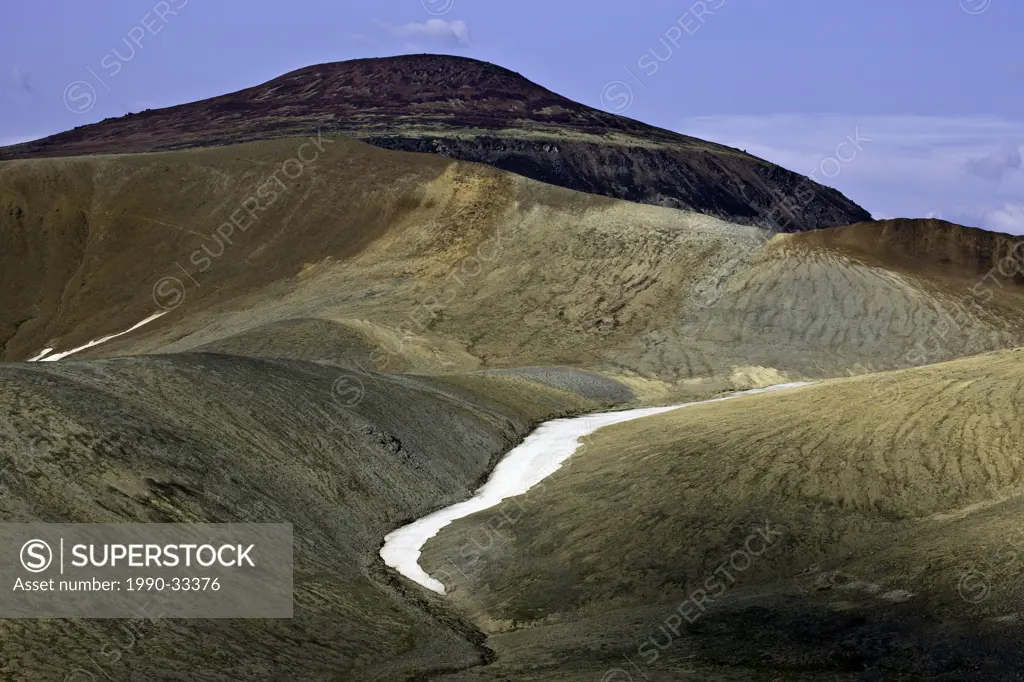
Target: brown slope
475, 111
924, 245
867, 297
530, 274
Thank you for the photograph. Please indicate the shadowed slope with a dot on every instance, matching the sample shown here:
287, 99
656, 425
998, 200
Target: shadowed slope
212, 438
97, 242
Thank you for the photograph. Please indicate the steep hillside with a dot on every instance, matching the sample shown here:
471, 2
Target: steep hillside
433, 265
884, 515
475, 111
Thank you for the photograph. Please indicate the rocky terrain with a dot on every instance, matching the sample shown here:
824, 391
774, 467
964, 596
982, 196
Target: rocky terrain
217, 438
475, 111
430, 265
352, 334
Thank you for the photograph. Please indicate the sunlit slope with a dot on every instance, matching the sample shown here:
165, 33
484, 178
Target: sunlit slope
437, 265
882, 497
872, 296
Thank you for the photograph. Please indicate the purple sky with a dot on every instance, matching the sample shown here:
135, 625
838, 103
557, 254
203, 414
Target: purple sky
932, 88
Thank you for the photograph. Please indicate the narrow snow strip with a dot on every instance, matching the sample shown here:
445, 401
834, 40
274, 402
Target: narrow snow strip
40, 356
58, 356
536, 458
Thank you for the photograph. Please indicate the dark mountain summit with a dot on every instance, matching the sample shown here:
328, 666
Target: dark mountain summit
474, 111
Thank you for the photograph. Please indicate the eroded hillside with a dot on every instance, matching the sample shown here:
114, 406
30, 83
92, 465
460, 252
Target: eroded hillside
435, 265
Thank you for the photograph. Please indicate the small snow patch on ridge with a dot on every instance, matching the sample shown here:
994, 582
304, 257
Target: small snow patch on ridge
45, 357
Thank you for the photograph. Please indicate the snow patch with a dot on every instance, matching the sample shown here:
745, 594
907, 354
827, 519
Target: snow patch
536, 458
44, 357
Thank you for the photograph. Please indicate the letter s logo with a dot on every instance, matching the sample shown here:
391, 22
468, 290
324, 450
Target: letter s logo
36, 556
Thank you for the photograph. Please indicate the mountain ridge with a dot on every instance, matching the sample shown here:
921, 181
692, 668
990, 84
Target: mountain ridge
364, 237
471, 110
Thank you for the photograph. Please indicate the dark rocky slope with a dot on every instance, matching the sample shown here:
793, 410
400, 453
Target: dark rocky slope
223, 439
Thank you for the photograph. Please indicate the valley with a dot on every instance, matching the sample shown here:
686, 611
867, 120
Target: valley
545, 393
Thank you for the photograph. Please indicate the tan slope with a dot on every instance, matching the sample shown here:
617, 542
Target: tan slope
454, 266
873, 296
881, 493
86, 240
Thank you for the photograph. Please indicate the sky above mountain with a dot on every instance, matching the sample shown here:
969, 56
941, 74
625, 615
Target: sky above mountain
926, 94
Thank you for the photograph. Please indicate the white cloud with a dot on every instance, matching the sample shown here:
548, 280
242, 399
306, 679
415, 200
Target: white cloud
24, 79
964, 169
995, 165
1007, 218
438, 30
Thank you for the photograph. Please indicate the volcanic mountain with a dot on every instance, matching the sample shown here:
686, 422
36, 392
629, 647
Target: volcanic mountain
475, 111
